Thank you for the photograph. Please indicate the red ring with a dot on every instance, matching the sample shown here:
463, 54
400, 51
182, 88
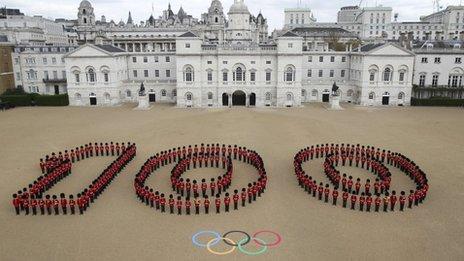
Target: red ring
278, 236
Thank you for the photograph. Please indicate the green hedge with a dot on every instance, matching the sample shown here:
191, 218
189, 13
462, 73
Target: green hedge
36, 99
437, 102
52, 100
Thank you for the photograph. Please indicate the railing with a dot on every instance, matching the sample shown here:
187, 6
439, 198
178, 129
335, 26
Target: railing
437, 87
48, 80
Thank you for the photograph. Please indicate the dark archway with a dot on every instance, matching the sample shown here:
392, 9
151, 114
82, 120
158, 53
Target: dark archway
325, 97
239, 98
152, 97
385, 100
252, 99
93, 100
225, 99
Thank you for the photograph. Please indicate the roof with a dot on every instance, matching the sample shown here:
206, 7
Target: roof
322, 31
369, 47
110, 48
289, 34
188, 34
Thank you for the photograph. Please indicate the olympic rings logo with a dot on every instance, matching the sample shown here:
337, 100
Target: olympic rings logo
236, 244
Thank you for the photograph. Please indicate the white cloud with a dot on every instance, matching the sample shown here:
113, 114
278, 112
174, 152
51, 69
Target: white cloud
324, 10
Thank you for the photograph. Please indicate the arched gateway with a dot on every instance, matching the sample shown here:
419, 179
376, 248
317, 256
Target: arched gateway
238, 98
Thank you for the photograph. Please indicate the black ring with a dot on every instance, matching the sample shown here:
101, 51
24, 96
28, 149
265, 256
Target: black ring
237, 231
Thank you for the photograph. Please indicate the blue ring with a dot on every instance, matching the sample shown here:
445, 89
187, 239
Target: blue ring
217, 240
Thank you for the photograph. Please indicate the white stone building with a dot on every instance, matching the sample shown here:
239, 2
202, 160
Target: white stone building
40, 69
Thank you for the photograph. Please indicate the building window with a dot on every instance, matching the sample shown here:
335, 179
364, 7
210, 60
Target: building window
106, 77
210, 95
454, 81
174, 93
310, 73
321, 59
268, 76
400, 96
332, 73
290, 45
157, 73
156, 59
422, 80
332, 59
289, 74
168, 59
372, 76
168, 73
435, 80
268, 96
458, 60
371, 96
437, 60
189, 96
225, 76
253, 76
210, 76
314, 93
342, 73
268, 62
209, 62
387, 75
188, 74
187, 45
91, 76
134, 59
343, 59
310, 59
77, 77
224, 62
401, 76
163, 93
135, 73
145, 73
54, 60
239, 75
44, 60
145, 59
424, 60
321, 73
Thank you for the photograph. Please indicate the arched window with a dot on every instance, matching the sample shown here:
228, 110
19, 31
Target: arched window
189, 96
372, 76
314, 93
77, 96
216, 20
92, 94
84, 11
210, 95
174, 93
268, 96
107, 97
400, 95
128, 93
91, 76
239, 74
371, 96
387, 73
163, 93
189, 74
289, 97
289, 74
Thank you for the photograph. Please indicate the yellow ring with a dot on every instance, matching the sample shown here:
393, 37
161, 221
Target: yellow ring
208, 246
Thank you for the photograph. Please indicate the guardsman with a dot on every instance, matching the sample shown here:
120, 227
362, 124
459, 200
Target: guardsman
157, 200
386, 200
196, 202
217, 201
34, 203
362, 199
326, 193
188, 204
56, 204
320, 191
204, 186
72, 204
402, 200
179, 205
227, 202
41, 205
350, 183
334, 196
162, 203
344, 181
353, 201
367, 187
393, 200
171, 204
235, 198
378, 201
368, 202
64, 204
16, 203
206, 202
243, 196
357, 186
212, 186
48, 204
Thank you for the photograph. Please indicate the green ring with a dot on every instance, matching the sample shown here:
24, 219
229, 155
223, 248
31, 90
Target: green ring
264, 249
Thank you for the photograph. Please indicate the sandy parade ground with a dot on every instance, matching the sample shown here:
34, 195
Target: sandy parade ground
118, 227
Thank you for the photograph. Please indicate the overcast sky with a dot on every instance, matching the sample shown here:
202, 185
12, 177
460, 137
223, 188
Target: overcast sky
324, 10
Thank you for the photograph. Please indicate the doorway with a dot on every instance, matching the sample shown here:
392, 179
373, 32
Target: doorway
239, 98
252, 99
152, 97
